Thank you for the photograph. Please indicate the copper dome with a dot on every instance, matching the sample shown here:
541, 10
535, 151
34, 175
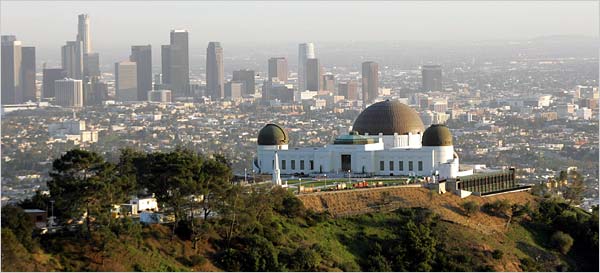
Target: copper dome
437, 135
272, 134
388, 117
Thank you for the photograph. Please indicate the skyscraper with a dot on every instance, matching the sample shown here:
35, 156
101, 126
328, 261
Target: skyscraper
165, 61
246, 77
305, 51
12, 88
72, 59
370, 81
432, 77
83, 33
126, 81
215, 71
28, 73
278, 68
349, 90
69, 92
50, 76
179, 59
328, 81
313, 75
142, 56
91, 65
234, 89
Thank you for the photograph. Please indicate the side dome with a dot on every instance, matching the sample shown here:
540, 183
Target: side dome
437, 135
388, 117
272, 134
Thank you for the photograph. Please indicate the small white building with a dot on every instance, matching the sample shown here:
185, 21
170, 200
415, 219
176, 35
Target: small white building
144, 204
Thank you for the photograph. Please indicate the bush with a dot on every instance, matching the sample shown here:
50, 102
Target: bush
197, 260
497, 254
562, 241
470, 207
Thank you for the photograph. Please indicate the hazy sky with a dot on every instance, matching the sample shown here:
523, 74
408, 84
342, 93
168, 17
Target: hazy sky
138, 22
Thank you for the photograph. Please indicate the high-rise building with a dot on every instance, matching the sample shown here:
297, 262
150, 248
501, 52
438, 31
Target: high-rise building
349, 90
91, 65
370, 81
83, 33
278, 68
165, 61
432, 77
12, 88
69, 92
163, 96
234, 89
215, 71
72, 59
99, 92
246, 77
305, 51
28, 73
126, 81
50, 76
328, 81
313, 75
142, 56
179, 63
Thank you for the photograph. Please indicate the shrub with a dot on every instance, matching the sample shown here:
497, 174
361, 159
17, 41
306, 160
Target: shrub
197, 260
497, 254
562, 241
470, 207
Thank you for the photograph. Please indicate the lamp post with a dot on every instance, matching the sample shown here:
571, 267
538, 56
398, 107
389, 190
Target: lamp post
349, 182
325, 180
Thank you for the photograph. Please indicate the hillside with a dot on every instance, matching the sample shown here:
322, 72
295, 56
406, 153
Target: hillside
478, 243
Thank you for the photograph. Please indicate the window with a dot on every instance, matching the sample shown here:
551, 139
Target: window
381, 165
293, 164
283, 164
410, 166
391, 165
312, 164
420, 166
301, 164
401, 166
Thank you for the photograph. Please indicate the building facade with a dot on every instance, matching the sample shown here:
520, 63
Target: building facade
370, 81
431, 77
278, 69
126, 81
142, 56
215, 73
69, 92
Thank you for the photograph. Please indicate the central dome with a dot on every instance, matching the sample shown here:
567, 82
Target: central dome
388, 117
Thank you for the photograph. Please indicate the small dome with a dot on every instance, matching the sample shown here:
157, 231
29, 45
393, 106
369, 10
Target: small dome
388, 117
272, 134
437, 135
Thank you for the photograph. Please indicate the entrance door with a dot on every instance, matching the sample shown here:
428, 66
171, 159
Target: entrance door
346, 163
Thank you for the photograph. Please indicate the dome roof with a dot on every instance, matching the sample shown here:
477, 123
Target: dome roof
388, 117
272, 134
437, 135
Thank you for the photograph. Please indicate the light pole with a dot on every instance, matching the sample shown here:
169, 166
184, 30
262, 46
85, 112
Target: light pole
349, 182
325, 180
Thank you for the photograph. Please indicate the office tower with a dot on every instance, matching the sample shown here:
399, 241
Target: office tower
91, 65
246, 77
158, 81
28, 73
83, 33
142, 56
313, 75
272, 90
214, 71
72, 59
179, 64
370, 81
349, 90
165, 62
234, 89
12, 88
432, 77
305, 52
126, 81
99, 92
159, 96
69, 92
328, 81
51, 75
278, 68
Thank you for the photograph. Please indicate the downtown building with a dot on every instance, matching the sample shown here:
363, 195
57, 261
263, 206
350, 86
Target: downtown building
215, 73
175, 62
370, 82
18, 71
69, 92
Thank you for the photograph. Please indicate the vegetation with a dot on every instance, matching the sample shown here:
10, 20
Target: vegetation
265, 228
